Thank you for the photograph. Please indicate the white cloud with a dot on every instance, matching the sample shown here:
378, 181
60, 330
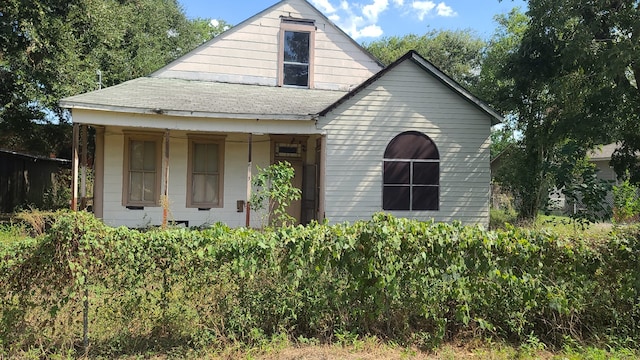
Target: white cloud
427, 7
335, 18
445, 10
369, 31
423, 7
372, 11
324, 6
398, 2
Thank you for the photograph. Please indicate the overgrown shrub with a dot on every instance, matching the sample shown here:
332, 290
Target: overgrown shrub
626, 203
500, 218
402, 280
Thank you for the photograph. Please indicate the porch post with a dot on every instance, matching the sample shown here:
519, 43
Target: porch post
83, 169
323, 167
74, 168
165, 197
98, 174
248, 209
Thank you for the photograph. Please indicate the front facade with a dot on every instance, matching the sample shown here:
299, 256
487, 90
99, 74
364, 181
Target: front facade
287, 84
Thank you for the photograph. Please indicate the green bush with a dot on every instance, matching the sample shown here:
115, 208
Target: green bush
626, 203
499, 218
397, 279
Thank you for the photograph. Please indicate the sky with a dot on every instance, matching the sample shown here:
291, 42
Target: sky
369, 20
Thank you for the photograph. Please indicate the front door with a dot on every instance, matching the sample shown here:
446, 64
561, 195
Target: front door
292, 149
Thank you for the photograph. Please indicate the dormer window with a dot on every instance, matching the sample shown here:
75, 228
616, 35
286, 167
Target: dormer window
296, 52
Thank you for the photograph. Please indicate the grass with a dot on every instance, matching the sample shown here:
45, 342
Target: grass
11, 233
564, 226
369, 348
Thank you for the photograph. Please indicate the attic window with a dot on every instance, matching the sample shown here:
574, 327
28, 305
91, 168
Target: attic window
297, 40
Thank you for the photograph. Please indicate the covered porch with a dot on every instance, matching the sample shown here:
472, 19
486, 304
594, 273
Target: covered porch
184, 151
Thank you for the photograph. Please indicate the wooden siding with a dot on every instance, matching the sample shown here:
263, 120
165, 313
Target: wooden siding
235, 175
406, 98
248, 53
25, 179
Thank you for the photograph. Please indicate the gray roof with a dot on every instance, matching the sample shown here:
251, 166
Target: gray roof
603, 152
148, 95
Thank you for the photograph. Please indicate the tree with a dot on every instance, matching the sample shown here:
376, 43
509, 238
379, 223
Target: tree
521, 77
50, 49
582, 58
457, 53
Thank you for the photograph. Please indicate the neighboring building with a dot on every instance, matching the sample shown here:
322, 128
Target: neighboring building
26, 179
289, 85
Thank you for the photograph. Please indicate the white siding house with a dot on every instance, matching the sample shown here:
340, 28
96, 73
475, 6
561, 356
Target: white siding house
287, 84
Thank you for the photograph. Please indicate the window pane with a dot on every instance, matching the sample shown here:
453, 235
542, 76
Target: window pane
149, 155
212, 158
296, 47
205, 189
297, 75
149, 186
205, 158
395, 198
135, 186
136, 159
411, 145
396, 172
425, 198
426, 173
199, 157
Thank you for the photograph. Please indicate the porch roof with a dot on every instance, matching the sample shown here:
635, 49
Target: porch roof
151, 95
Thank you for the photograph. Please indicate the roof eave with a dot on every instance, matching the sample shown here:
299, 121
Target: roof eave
185, 113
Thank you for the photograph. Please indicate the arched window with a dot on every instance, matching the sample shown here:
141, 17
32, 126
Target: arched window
411, 173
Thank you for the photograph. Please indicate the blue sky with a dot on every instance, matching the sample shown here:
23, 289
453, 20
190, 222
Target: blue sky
368, 20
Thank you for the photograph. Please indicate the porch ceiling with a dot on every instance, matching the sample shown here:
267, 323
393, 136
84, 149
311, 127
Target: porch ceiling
149, 95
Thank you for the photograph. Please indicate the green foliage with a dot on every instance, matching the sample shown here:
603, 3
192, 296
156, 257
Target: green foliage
458, 53
501, 218
626, 202
546, 106
53, 48
58, 196
413, 282
275, 192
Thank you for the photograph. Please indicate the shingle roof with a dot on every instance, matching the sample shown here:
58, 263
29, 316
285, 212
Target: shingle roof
206, 99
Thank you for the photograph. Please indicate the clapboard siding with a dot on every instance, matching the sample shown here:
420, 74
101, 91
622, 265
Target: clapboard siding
248, 53
235, 180
406, 98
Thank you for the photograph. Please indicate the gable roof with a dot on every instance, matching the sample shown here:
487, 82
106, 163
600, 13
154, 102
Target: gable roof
431, 69
178, 97
260, 14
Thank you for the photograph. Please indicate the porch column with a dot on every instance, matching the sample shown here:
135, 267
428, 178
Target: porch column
322, 170
248, 209
83, 168
165, 197
74, 167
98, 174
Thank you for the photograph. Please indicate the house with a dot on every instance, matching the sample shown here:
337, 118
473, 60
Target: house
26, 179
288, 84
